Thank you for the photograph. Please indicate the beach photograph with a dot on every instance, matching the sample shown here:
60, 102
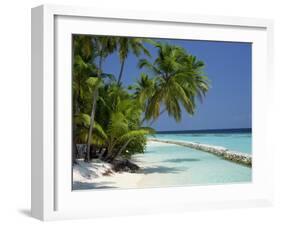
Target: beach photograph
155, 112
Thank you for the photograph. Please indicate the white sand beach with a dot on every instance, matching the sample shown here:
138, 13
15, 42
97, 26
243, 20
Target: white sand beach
162, 165
99, 175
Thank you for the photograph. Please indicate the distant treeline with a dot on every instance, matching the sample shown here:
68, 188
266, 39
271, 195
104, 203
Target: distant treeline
241, 130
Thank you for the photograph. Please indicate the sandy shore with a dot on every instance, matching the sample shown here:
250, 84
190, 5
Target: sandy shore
99, 175
161, 167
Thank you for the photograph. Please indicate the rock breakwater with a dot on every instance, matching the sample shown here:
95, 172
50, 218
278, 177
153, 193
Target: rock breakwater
222, 152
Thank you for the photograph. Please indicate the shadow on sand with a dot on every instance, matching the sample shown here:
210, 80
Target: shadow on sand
179, 160
86, 185
161, 169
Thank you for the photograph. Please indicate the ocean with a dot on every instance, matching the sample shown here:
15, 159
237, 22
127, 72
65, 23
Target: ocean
234, 139
180, 166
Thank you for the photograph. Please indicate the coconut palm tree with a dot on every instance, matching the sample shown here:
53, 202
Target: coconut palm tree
103, 46
144, 90
82, 120
83, 68
179, 80
119, 134
127, 44
122, 122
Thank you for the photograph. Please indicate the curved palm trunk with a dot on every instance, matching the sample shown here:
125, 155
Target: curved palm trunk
95, 97
121, 72
120, 150
110, 148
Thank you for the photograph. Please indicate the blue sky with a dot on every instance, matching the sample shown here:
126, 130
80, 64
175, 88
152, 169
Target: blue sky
227, 103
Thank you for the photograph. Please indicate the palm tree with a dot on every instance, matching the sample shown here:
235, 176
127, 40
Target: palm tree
120, 135
122, 122
104, 46
179, 81
144, 90
82, 120
83, 68
125, 46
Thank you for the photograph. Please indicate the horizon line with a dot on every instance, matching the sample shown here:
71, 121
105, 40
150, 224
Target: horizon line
201, 130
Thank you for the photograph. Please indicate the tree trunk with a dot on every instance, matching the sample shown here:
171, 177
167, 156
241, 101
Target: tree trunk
92, 121
121, 72
143, 120
74, 147
109, 155
74, 152
95, 96
120, 150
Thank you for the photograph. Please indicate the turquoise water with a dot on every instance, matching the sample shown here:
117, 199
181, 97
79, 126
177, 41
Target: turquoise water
174, 165
234, 141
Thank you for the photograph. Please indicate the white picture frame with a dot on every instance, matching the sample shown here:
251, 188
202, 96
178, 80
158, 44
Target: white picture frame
52, 197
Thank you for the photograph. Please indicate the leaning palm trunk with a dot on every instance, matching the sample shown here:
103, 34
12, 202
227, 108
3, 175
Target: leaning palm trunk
118, 153
121, 72
92, 121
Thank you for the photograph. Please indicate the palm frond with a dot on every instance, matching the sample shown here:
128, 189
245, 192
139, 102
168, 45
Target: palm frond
132, 134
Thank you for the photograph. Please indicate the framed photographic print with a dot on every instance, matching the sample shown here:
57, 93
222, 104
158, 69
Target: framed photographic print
134, 112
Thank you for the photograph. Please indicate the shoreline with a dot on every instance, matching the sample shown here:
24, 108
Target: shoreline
152, 173
225, 153
91, 175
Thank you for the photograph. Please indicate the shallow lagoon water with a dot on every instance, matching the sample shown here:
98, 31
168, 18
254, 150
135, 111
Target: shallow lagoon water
165, 165
240, 142
174, 165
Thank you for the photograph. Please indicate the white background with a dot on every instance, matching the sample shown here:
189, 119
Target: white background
15, 112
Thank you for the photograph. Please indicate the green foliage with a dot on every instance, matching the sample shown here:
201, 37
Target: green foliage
172, 82
124, 121
136, 146
82, 122
135, 45
178, 81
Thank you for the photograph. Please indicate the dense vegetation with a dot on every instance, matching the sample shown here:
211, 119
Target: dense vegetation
109, 117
